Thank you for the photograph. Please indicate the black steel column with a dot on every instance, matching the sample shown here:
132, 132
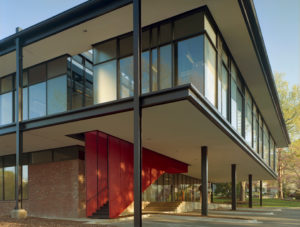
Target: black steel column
18, 119
137, 113
260, 193
204, 181
250, 191
233, 186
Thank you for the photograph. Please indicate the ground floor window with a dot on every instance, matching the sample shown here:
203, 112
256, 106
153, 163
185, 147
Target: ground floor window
173, 188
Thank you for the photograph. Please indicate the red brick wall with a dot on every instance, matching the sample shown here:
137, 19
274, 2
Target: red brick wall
55, 189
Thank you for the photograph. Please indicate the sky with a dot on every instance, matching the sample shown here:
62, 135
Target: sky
279, 21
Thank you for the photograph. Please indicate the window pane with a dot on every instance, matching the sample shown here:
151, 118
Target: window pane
57, 67
37, 74
266, 145
145, 72
271, 153
165, 35
224, 91
25, 182
154, 70
233, 104
77, 84
239, 111
25, 103
188, 25
105, 51
126, 46
126, 77
105, 82
210, 72
6, 84
210, 31
190, 62
154, 41
145, 39
165, 79
9, 183
89, 86
6, 108
37, 100
248, 117
57, 95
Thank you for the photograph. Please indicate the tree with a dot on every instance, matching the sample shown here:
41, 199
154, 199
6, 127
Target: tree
289, 158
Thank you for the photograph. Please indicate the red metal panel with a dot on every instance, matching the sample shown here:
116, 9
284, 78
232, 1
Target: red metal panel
120, 171
91, 172
102, 170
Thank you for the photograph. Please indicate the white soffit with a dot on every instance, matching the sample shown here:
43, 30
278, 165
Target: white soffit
177, 130
227, 15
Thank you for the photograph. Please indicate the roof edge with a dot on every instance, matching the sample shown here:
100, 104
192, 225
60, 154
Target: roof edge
62, 21
252, 23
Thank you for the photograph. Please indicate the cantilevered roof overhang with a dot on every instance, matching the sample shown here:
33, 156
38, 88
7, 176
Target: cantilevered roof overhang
75, 30
176, 123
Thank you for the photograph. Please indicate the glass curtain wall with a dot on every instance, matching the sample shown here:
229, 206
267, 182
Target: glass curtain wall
172, 188
236, 100
248, 117
6, 99
7, 179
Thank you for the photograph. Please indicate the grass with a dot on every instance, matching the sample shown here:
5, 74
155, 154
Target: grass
266, 202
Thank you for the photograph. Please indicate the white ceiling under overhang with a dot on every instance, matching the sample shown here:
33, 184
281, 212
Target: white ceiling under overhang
227, 15
177, 130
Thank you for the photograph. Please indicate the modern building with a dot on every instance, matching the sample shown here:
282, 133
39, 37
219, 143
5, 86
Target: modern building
81, 134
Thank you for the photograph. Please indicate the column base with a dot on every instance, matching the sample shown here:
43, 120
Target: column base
18, 214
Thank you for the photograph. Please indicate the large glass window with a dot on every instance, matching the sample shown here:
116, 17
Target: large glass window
266, 145
57, 95
145, 72
126, 77
9, 185
37, 100
6, 100
236, 101
210, 72
223, 91
255, 129
154, 70
165, 66
261, 135
6, 108
105, 51
25, 103
188, 25
105, 82
272, 153
191, 62
25, 182
248, 117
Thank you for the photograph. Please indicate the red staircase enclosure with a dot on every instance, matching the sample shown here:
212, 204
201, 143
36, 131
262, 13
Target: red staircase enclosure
109, 171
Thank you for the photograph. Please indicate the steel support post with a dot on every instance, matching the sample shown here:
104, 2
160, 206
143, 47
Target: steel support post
233, 186
137, 113
250, 191
18, 119
260, 193
204, 181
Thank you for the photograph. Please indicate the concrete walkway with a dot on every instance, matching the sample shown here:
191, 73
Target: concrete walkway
271, 217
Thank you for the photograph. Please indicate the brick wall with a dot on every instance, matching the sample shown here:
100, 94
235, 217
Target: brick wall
55, 189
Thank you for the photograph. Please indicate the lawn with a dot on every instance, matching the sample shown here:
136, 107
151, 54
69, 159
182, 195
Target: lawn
266, 202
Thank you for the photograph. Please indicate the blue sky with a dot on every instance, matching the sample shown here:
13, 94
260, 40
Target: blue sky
279, 21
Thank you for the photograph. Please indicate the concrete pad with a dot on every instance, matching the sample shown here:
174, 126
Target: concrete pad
18, 213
